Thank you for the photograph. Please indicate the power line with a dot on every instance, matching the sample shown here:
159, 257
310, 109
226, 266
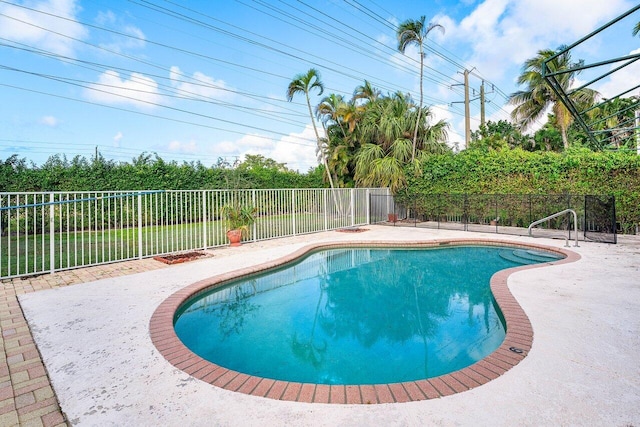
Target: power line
192, 20
370, 13
449, 57
360, 49
261, 44
188, 79
157, 116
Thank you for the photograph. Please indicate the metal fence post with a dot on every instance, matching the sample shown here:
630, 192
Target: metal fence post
140, 225
52, 235
293, 210
204, 219
255, 224
368, 206
326, 217
353, 207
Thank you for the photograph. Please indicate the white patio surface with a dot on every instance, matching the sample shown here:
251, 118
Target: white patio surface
583, 368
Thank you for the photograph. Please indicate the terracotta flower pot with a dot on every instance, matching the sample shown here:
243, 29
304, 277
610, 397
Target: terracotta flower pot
234, 236
392, 217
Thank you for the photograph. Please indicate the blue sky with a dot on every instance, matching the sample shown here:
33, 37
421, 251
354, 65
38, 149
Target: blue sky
201, 80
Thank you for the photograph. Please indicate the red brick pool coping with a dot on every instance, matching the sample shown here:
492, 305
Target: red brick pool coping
514, 348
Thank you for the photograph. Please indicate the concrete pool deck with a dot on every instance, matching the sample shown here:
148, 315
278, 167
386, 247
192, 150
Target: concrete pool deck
583, 368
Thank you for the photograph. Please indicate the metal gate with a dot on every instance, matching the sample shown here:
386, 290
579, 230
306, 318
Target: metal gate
600, 219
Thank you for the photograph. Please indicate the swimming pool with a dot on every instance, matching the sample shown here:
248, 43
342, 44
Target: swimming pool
312, 344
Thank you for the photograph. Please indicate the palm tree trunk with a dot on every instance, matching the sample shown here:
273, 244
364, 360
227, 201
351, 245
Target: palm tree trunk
341, 128
415, 131
565, 140
326, 133
324, 159
315, 129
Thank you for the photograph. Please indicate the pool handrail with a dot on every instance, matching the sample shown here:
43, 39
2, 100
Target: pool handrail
555, 215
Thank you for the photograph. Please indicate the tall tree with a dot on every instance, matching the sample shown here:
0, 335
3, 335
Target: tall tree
366, 92
385, 131
330, 111
532, 103
614, 119
305, 83
415, 32
498, 135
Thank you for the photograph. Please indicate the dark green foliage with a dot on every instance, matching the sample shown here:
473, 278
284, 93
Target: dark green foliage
548, 138
576, 171
148, 172
498, 135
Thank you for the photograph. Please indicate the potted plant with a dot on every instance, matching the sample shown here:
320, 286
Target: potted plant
238, 218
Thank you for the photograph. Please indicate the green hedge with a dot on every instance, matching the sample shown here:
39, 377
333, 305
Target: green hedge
577, 171
146, 173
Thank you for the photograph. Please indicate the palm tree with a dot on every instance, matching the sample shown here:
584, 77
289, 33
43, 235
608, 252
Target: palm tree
304, 83
613, 119
366, 92
414, 32
330, 110
636, 29
376, 166
385, 130
532, 103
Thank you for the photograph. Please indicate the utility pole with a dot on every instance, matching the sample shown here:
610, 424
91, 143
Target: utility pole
467, 113
638, 132
467, 101
482, 104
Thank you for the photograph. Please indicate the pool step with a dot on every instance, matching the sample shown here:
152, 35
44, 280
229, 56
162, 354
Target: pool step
527, 256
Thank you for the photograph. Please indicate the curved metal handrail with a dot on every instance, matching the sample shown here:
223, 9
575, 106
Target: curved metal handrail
575, 224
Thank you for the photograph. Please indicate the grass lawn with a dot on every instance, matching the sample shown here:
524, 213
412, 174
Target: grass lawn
31, 254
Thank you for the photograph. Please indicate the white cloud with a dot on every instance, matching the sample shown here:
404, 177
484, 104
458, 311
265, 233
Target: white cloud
199, 85
122, 43
39, 30
183, 147
104, 18
295, 150
386, 40
253, 141
139, 90
49, 121
117, 138
225, 148
118, 43
442, 112
504, 33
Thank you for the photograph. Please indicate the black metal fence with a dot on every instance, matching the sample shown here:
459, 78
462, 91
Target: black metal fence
500, 213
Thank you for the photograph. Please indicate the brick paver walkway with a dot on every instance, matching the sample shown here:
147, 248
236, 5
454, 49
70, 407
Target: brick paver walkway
26, 395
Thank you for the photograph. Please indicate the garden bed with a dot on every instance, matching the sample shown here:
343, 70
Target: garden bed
179, 258
352, 230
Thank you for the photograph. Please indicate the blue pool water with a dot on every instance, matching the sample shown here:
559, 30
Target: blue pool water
356, 316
